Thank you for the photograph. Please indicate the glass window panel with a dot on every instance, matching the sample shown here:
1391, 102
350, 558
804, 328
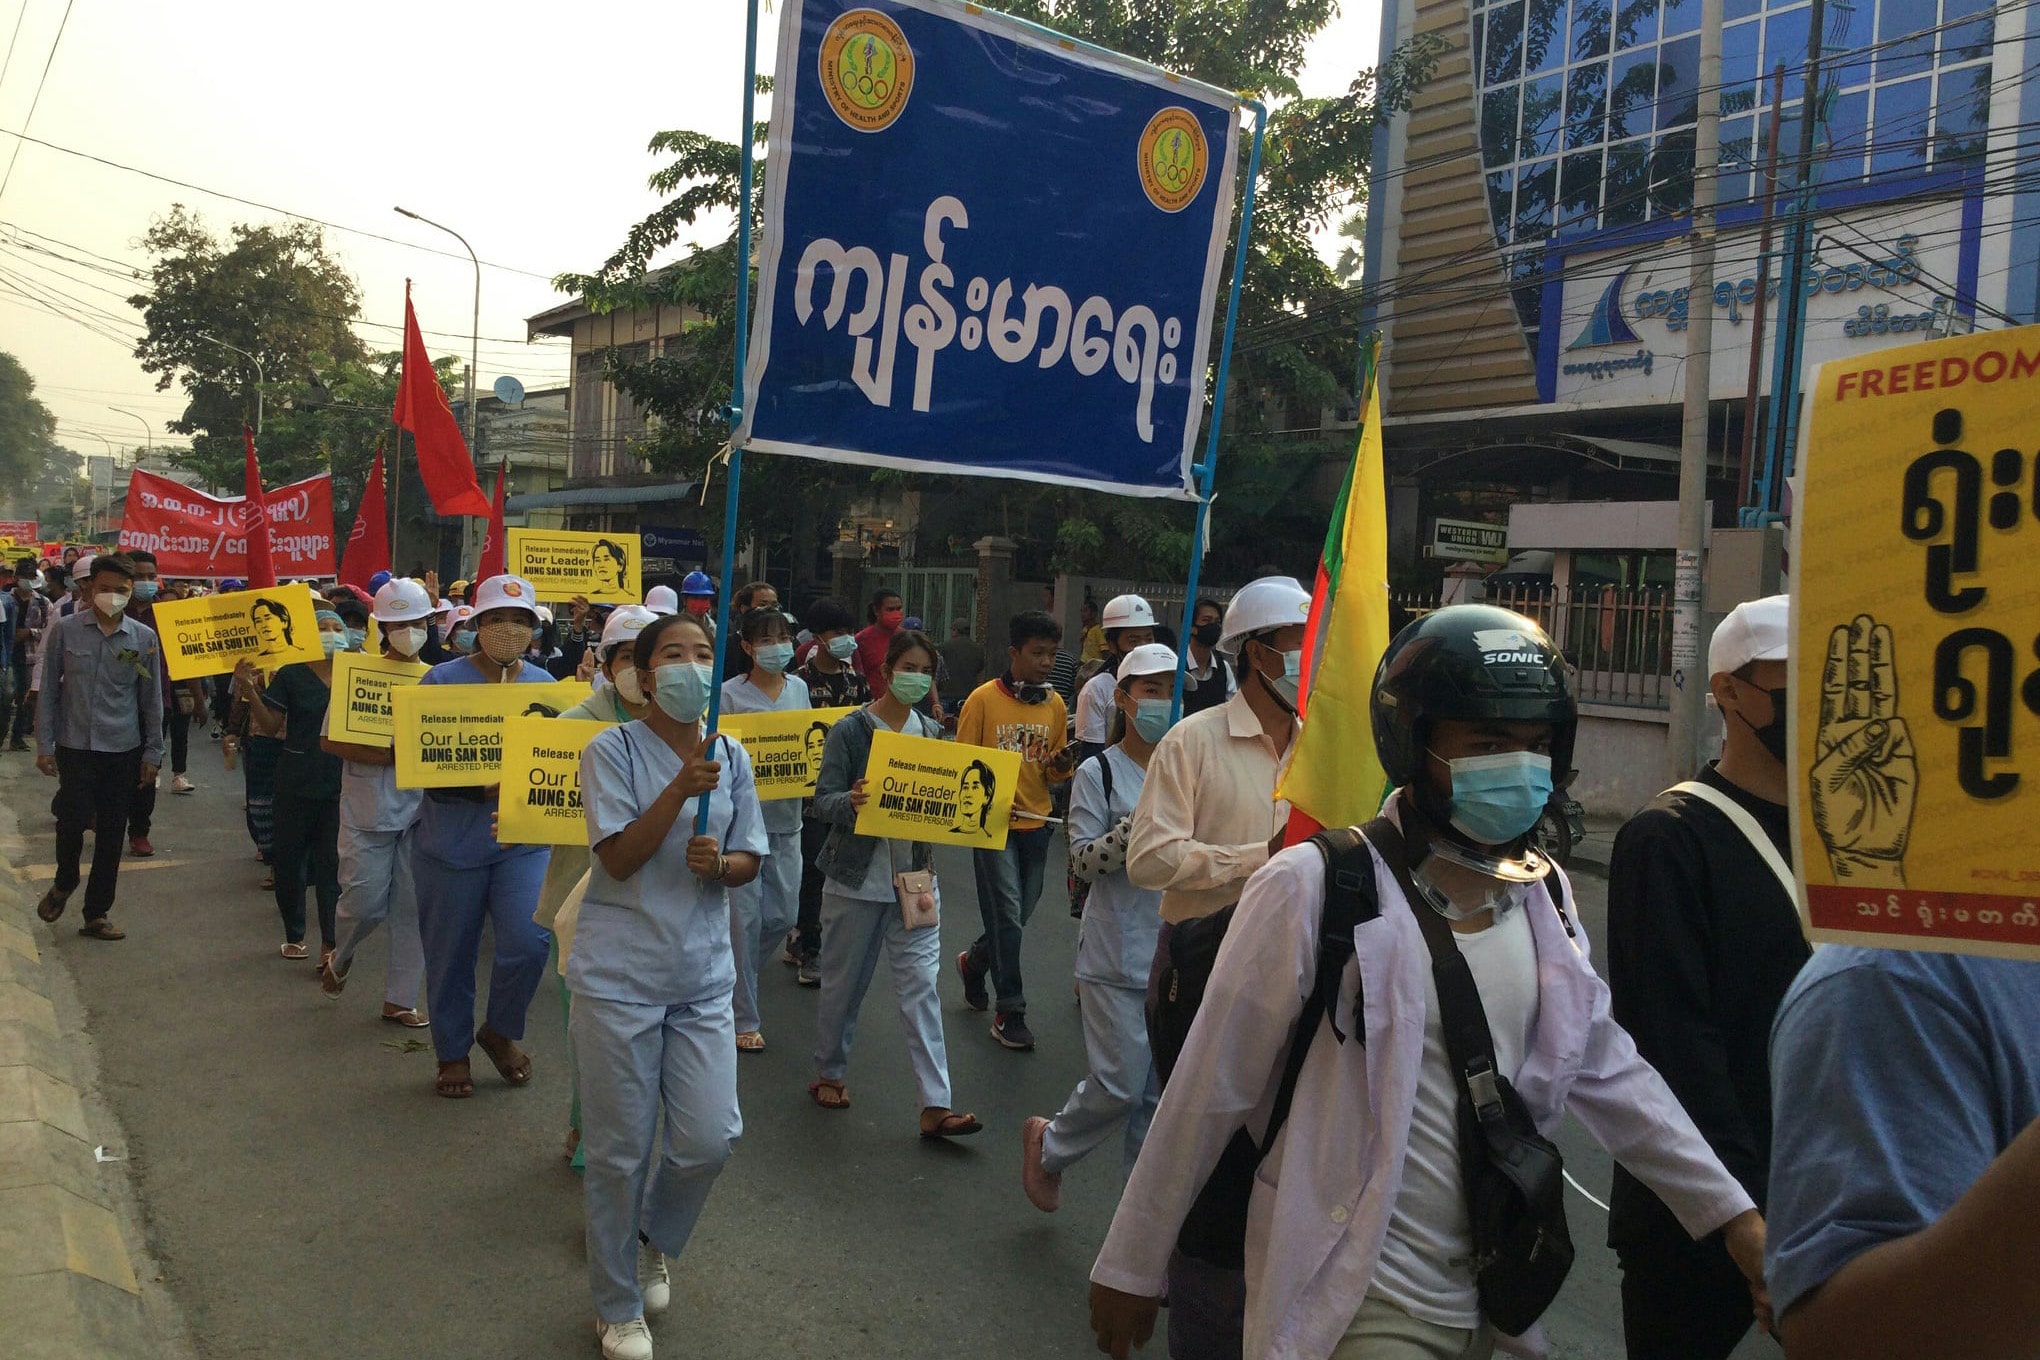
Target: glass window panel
1503, 54
1635, 22
1590, 24
1845, 137
1586, 105
1785, 39
1678, 91
1738, 143
1498, 124
1527, 269
1738, 9
1545, 43
1632, 93
1479, 40
1788, 134
1681, 16
1540, 116
1898, 142
1849, 39
1895, 19
1579, 191
1962, 114
1627, 184
1501, 196
1671, 175
1536, 191
1965, 42
1739, 68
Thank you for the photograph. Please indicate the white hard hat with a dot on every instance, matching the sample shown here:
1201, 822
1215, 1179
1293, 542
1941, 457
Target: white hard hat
1755, 630
1152, 659
506, 592
82, 568
1271, 602
1127, 611
624, 624
662, 600
545, 614
401, 601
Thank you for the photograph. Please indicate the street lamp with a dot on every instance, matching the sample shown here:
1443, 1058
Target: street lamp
148, 430
475, 342
259, 378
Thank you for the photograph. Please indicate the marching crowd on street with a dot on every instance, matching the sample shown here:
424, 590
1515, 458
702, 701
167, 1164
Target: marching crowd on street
1331, 1065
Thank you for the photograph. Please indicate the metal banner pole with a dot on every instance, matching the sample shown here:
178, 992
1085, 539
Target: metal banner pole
735, 412
1208, 465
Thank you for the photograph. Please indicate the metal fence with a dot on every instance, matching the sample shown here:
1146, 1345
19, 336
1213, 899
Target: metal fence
1619, 639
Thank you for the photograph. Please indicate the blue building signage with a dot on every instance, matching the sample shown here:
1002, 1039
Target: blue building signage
985, 251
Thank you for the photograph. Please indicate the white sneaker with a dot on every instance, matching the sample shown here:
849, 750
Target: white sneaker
653, 1282
624, 1340
179, 784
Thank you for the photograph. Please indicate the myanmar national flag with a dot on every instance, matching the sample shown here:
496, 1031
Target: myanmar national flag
1334, 777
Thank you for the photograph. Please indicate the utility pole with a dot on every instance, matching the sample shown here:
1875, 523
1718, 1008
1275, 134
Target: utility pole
1790, 347
148, 431
1753, 398
1682, 738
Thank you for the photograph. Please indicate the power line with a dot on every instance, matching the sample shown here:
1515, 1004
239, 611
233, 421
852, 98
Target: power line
15, 37
48, 62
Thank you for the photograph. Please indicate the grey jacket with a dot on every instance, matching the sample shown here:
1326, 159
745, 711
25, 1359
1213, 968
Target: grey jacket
846, 856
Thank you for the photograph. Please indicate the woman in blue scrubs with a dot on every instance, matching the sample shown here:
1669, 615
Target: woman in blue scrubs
762, 912
464, 875
651, 975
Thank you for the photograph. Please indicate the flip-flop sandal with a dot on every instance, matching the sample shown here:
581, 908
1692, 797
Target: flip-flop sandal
750, 1041
454, 1087
517, 1073
102, 929
295, 949
952, 1125
842, 1100
409, 1019
333, 980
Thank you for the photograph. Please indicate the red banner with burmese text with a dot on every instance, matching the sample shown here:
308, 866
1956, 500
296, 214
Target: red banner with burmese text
194, 534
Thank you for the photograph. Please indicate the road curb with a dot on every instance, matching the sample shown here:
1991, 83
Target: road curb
68, 1287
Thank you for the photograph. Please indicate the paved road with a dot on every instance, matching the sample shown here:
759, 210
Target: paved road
307, 1195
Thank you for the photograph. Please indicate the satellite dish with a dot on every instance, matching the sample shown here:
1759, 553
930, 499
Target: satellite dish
509, 391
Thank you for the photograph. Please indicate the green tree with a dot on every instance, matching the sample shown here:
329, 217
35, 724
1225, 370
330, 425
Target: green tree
27, 429
274, 292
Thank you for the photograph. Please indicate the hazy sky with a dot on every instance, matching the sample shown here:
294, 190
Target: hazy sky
520, 125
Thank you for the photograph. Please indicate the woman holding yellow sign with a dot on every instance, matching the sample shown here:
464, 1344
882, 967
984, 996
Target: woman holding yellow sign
866, 898
651, 975
763, 911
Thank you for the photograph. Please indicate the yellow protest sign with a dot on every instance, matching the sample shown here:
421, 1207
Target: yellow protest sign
541, 801
785, 747
272, 627
561, 563
1916, 624
921, 789
452, 735
362, 711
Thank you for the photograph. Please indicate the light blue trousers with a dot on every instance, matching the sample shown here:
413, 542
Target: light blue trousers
635, 1062
376, 887
854, 933
1121, 1085
761, 912
452, 904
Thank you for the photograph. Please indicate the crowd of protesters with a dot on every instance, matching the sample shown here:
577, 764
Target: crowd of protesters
1331, 1066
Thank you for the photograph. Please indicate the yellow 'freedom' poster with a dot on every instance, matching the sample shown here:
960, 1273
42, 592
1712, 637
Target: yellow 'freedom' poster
1916, 628
362, 711
920, 789
785, 747
272, 627
563, 563
452, 735
541, 799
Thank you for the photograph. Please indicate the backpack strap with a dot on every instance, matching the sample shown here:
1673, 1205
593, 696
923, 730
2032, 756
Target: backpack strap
1739, 817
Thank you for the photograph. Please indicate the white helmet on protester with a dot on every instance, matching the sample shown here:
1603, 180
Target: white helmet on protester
401, 601
1261, 606
625, 622
1126, 611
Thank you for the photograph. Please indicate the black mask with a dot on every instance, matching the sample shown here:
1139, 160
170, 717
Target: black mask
1207, 634
1772, 733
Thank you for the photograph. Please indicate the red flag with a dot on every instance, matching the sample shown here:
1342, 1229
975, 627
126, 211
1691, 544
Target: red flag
442, 455
368, 543
493, 556
255, 513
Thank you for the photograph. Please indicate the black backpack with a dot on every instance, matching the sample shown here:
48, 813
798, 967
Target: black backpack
1215, 1230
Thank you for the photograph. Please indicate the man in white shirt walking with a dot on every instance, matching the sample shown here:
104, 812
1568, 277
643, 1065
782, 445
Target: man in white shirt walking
1359, 1242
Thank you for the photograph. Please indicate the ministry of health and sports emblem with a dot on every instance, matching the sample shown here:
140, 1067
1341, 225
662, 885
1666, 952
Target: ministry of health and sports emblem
867, 69
1173, 159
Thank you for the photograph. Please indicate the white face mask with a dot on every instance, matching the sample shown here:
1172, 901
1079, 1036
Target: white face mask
627, 686
405, 641
111, 602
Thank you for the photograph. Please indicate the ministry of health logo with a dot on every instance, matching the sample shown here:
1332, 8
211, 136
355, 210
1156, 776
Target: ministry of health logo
1173, 159
867, 69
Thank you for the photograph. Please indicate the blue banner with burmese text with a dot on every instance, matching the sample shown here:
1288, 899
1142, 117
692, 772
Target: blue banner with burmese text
986, 251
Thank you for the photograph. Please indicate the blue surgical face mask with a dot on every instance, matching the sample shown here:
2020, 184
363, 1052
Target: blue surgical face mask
681, 689
773, 657
842, 646
1498, 798
332, 642
1151, 718
464, 639
357, 638
147, 591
